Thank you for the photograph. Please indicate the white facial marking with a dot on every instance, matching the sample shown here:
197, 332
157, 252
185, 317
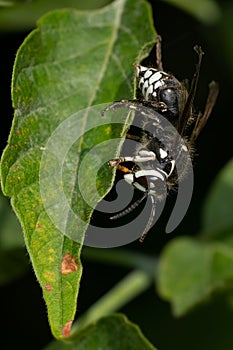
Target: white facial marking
158, 84
145, 86
140, 69
143, 68
184, 148
172, 167
139, 187
148, 92
141, 81
155, 77
163, 154
148, 74
129, 178
145, 153
149, 172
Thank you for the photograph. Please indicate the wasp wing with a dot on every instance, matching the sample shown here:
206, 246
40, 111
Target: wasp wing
202, 118
186, 100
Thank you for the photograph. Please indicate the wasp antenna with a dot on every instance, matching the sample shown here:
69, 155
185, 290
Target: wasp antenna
198, 50
130, 208
158, 52
150, 222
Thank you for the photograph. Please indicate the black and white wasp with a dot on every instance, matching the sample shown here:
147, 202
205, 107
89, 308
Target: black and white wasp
153, 165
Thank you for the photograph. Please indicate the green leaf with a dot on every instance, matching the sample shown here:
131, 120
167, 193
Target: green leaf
217, 214
189, 272
206, 11
114, 332
72, 61
6, 3
23, 14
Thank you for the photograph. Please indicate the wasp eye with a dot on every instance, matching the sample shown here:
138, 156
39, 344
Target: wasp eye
170, 97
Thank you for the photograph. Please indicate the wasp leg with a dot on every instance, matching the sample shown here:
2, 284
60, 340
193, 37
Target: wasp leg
150, 221
135, 105
142, 156
124, 169
133, 137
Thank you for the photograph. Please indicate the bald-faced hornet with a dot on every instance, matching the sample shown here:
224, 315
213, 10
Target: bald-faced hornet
154, 164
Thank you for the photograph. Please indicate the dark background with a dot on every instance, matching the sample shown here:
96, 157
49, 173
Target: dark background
23, 311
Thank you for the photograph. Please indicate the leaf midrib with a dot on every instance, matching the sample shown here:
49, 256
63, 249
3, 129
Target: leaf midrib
98, 81
92, 98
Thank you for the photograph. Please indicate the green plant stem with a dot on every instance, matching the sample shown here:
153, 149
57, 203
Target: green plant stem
128, 288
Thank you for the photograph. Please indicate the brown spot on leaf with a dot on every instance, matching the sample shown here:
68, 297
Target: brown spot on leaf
48, 287
38, 225
17, 131
16, 167
69, 264
66, 329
